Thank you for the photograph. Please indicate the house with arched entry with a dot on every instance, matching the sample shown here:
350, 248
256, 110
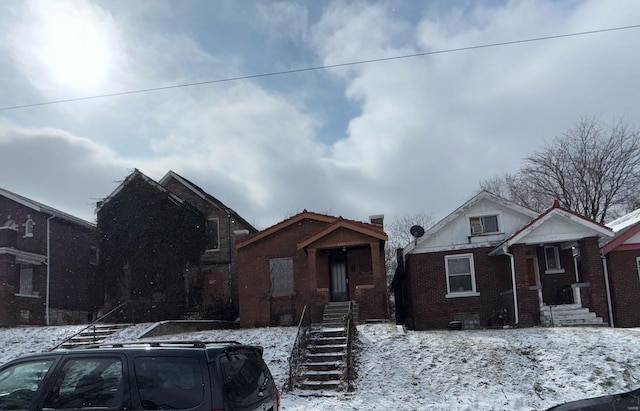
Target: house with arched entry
311, 259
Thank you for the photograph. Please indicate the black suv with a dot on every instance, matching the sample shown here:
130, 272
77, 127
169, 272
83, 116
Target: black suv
187, 375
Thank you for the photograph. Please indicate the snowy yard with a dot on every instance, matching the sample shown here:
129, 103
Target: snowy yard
520, 369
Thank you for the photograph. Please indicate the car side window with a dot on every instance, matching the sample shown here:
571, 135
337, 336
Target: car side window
20, 382
169, 382
95, 382
246, 378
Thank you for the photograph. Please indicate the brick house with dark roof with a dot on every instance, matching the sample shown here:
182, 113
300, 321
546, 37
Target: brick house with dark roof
310, 260
47, 265
494, 263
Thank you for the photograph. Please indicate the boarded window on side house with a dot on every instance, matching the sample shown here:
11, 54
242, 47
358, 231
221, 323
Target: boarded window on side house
26, 280
213, 234
281, 274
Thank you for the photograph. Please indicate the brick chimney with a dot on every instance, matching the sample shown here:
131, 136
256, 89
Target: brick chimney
377, 220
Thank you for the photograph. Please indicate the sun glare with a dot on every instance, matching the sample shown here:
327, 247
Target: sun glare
76, 50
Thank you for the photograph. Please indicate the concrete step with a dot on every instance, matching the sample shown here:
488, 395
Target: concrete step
320, 385
325, 357
328, 348
323, 366
324, 375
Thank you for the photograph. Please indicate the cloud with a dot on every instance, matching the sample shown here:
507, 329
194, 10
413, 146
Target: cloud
56, 168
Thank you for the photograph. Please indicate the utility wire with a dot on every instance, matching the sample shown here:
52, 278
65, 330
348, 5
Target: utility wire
325, 67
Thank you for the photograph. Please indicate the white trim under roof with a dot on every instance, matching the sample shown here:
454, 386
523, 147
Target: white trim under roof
39, 207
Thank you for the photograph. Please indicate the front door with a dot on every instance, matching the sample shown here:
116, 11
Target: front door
339, 282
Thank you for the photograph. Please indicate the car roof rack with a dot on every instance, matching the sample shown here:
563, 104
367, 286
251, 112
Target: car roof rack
162, 343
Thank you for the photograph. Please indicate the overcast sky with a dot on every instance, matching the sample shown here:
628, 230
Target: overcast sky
394, 137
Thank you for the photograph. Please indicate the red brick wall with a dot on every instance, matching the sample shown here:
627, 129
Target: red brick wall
591, 270
625, 287
258, 308
427, 276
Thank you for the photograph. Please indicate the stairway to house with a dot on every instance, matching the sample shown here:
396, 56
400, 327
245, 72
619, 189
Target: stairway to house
568, 315
326, 358
94, 334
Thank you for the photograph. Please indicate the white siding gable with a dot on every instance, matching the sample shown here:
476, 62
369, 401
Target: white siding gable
456, 232
557, 229
634, 239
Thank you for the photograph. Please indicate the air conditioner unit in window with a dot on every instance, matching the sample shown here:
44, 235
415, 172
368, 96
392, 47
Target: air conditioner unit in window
476, 229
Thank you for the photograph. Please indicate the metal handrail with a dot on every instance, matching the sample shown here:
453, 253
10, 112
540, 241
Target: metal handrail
299, 346
350, 327
92, 324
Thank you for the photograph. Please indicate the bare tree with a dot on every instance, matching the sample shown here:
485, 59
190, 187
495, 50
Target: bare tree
399, 235
590, 170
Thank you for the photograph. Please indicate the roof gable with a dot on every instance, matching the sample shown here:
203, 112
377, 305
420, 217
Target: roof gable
42, 208
625, 237
138, 174
558, 224
205, 196
351, 224
453, 230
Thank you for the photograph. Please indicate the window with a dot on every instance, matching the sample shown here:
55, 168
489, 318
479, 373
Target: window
461, 279
487, 224
213, 234
93, 255
552, 259
26, 281
28, 227
638, 265
88, 383
22, 380
246, 378
169, 382
281, 273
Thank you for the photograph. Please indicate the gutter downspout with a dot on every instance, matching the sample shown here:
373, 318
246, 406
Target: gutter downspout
606, 283
516, 311
47, 301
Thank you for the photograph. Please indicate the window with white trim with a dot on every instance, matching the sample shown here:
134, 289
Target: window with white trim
552, 259
638, 265
461, 276
213, 234
28, 227
486, 224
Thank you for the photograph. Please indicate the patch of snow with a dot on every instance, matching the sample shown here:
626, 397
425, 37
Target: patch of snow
624, 221
519, 369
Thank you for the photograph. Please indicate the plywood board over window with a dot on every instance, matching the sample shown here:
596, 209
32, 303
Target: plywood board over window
281, 275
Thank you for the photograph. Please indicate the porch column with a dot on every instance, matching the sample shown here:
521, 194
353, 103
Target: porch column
312, 266
528, 310
595, 296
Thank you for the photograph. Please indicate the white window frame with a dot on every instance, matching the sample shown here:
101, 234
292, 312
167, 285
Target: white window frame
467, 293
217, 220
556, 257
481, 217
28, 227
638, 266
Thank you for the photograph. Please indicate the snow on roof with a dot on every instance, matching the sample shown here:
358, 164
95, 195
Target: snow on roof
625, 221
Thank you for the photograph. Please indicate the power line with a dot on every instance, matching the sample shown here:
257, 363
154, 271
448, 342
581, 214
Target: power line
325, 67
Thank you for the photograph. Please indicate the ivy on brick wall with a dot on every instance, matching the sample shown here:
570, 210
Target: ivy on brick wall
147, 239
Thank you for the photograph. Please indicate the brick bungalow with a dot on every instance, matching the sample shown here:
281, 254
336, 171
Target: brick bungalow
47, 265
494, 263
622, 254
311, 259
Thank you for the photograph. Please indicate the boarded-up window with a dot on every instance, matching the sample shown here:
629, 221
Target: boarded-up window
281, 272
26, 280
213, 234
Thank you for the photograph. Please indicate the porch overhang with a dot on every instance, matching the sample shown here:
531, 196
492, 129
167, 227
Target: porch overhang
555, 226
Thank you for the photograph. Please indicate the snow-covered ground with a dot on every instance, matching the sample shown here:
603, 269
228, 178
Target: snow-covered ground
520, 369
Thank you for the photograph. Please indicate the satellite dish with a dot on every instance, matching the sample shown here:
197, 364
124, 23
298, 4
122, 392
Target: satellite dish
416, 231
